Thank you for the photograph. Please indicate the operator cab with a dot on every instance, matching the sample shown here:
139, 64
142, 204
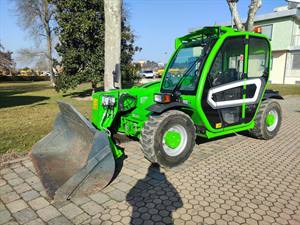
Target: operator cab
231, 68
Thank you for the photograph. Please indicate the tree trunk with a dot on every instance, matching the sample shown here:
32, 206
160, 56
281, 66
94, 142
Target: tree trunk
46, 21
253, 7
94, 87
112, 42
235, 14
50, 59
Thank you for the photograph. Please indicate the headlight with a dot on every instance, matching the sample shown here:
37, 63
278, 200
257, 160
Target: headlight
108, 101
162, 98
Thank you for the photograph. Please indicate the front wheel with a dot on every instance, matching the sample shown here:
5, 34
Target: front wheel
267, 121
169, 138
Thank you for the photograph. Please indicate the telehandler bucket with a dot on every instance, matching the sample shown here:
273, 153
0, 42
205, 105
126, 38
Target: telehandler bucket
75, 159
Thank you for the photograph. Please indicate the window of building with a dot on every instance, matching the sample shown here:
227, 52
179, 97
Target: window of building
271, 63
267, 30
296, 61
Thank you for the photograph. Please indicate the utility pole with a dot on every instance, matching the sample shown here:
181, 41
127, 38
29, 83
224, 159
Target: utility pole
113, 16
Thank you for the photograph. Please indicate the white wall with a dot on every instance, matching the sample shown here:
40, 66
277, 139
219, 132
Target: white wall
292, 75
277, 71
282, 32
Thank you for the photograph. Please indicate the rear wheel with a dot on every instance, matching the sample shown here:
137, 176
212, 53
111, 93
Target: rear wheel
169, 138
268, 120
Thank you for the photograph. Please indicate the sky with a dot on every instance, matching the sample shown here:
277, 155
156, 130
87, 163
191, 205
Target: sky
156, 23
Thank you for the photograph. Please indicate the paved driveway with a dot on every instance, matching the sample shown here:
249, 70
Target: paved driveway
233, 180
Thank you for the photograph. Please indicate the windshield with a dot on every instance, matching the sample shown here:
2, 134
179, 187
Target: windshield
184, 64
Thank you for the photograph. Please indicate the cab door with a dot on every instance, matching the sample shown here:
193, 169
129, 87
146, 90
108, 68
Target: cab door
222, 99
236, 81
257, 74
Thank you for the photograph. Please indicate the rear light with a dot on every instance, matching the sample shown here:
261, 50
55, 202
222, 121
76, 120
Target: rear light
163, 98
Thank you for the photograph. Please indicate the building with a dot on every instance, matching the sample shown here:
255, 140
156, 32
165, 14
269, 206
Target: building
283, 28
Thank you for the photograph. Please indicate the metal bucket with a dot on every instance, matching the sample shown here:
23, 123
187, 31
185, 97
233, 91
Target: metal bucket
75, 159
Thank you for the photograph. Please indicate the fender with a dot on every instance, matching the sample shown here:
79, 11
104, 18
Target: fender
160, 108
271, 94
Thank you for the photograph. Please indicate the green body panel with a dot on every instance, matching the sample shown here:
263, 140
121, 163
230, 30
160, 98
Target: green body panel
116, 150
131, 122
230, 130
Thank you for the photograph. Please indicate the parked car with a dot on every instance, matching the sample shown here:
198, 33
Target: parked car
160, 72
48, 74
148, 74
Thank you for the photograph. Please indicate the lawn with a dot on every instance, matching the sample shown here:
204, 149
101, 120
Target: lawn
28, 109
287, 89
27, 112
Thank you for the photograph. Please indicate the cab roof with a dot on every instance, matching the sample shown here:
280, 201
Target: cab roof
214, 31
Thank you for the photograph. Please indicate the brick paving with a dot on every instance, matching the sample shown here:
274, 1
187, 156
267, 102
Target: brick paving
232, 180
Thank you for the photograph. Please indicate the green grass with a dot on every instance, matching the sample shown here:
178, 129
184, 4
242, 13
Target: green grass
286, 89
28, 110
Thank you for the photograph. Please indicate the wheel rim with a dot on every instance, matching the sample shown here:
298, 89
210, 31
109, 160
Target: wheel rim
272, 120
174, 140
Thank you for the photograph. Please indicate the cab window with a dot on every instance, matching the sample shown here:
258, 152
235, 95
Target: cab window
258, 58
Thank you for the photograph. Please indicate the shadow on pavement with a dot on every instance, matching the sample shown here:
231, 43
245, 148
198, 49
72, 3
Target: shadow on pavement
155, 203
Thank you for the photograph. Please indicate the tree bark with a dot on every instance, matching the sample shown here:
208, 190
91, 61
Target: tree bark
112, 42
50, 59
94, 87
46, 21
235, 14
253, 7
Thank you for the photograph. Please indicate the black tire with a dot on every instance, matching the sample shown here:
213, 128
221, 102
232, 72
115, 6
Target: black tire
152, 137
260, 129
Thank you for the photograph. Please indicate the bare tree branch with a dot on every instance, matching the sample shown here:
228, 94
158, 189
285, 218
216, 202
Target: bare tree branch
6, 61
253, 7
236, 17
35, 57
37, 17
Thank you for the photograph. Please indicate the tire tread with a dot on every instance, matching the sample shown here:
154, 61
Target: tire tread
148, 133
258, 130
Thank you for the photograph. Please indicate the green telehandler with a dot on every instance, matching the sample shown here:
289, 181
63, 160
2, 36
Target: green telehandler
213, 85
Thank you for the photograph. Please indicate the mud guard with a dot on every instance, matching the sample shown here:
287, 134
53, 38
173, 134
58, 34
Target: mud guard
271, 94
160, 108
75, 159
